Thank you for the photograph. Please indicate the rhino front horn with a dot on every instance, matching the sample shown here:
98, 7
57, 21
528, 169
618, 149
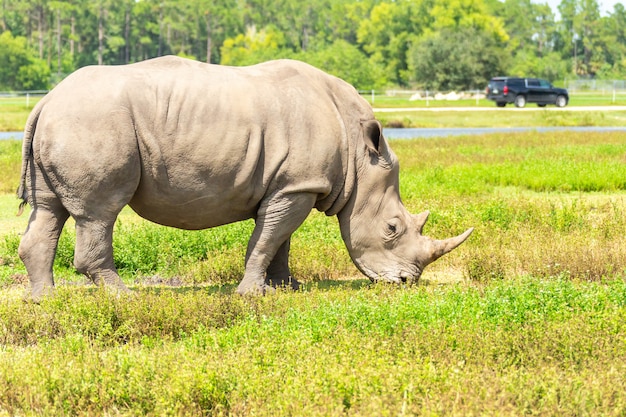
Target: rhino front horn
441, 247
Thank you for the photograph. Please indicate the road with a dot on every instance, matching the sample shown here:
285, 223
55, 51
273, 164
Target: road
412, 133
531, 107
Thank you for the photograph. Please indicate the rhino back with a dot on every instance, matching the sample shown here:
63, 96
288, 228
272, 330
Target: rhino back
214, 141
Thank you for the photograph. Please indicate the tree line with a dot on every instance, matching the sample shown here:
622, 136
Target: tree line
432, 44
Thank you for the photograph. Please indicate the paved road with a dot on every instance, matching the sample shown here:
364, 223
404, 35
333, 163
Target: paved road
530, 107
412, 133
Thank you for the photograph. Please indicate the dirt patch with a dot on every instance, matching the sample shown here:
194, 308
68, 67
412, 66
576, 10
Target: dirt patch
19, 279
159, 280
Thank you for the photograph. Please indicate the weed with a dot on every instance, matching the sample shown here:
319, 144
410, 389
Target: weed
535, 326
510, 346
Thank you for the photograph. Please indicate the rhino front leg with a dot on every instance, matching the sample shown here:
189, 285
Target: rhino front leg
276, 220
38, 248
278, 273
94, 253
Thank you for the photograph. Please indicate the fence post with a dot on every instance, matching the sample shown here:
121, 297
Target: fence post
373, 96
614, 91
27, 99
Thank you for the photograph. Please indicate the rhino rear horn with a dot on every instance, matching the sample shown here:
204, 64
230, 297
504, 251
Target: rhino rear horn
419, 220
441, 247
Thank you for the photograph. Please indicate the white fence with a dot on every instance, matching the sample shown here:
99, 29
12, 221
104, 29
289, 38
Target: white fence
21, 98
604, 90
601, 90
615, 89
425, 96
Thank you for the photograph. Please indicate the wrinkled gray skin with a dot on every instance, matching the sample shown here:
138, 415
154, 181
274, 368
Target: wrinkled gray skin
193, 146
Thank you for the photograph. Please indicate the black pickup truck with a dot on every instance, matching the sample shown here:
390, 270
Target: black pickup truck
504, 90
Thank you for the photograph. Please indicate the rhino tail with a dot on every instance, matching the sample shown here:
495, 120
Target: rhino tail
27, 154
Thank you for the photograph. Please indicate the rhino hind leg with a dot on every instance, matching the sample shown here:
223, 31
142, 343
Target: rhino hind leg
39, 244
277, 218
93, 255
278, 273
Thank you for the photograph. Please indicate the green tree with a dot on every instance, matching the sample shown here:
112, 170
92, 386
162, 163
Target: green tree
254, 47
457, 14
456, 59
532, 32
613, 35
348, 63
20, 69
388, 33
581, 26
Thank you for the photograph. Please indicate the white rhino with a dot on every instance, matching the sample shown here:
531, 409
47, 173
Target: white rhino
193, 146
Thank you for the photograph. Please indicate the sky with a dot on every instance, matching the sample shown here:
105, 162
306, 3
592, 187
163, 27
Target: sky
606, 6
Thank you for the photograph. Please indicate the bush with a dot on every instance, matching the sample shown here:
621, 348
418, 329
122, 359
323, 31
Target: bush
19, 68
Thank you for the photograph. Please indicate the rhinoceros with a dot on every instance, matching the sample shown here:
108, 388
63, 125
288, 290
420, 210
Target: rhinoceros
193, 146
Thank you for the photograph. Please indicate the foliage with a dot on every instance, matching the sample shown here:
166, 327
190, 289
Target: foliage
543, 204
348, 63
254, 47
534, 323
19, 68
455, 59
550, 347
63, 35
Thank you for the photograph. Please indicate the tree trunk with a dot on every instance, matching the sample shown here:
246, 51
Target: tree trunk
127, 37
100, 36
3, 22
159, 51
208, 39
72, 34
40, 29
59, 42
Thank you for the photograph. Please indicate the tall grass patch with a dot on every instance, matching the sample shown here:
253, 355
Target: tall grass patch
547, 204
536, 323
549, 347
10, 165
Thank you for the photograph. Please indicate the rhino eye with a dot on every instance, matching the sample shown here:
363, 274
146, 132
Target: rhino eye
392, 230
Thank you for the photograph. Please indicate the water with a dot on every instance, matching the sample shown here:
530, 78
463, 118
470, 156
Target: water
11, 135
410, 133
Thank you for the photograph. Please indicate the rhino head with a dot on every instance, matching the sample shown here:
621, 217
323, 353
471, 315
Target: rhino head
384, 240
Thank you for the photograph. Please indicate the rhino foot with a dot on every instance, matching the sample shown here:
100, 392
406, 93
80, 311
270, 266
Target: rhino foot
37, 293
245, 288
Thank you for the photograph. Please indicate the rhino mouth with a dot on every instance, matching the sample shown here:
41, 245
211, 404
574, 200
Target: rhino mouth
395, 277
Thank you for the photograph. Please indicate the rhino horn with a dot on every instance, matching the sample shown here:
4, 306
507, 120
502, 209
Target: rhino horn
420, 220
441, 247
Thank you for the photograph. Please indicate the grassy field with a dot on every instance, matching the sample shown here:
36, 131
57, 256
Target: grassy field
478, 117
527, 317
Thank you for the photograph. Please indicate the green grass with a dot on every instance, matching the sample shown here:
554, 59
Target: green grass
535, 322
13, 114
501, 118
544, 347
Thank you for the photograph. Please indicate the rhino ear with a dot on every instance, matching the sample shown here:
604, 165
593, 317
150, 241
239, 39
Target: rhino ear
373, 135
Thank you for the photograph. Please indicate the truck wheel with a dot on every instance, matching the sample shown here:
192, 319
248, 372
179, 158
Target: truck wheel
520, 101
561, 101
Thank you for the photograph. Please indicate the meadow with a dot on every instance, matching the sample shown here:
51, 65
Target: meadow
527, 317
